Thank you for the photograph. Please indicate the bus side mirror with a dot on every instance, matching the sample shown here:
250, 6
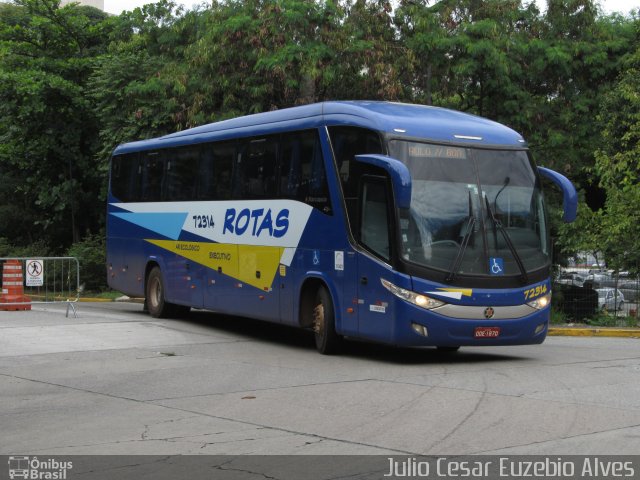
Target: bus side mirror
569, 194
399, 173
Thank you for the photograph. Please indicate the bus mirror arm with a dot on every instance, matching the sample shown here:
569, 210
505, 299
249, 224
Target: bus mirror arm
399, 173
569, 194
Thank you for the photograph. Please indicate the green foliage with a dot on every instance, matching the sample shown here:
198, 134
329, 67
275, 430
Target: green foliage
558, 317
370, 58
583, 235
47, 126
91, 255
255, 56
604, 319
142, 86
618, 168
38, 248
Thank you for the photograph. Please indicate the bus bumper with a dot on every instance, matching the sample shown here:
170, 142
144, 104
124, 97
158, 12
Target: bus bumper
419, 327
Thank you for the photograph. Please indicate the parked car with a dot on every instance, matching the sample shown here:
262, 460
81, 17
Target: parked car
601, 280
610, 298
630, 290
570, 278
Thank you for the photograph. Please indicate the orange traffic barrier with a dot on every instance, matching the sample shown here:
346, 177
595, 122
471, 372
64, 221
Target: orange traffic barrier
13, 297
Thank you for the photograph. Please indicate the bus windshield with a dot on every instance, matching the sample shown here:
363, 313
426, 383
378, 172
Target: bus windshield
473, 211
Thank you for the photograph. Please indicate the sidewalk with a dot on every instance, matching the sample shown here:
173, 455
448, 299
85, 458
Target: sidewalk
591, 331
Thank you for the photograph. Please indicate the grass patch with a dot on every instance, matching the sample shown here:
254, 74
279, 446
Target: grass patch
558, 317
106, 295
609, 320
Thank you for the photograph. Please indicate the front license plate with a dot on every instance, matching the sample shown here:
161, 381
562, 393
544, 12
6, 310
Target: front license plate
486, 332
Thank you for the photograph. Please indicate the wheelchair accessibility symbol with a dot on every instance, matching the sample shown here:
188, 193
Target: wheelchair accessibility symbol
496, 266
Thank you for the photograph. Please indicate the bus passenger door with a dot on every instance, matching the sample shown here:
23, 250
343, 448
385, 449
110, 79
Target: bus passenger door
375, 308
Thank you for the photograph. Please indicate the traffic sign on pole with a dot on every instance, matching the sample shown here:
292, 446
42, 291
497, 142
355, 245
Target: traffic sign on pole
34, 273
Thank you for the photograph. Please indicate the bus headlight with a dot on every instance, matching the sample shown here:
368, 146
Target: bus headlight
412, 297
540, 302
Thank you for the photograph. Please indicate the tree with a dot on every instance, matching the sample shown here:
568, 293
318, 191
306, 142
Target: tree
370, 59
141, 86
47, 128
613, 229
579, 61
259, 55
618, 167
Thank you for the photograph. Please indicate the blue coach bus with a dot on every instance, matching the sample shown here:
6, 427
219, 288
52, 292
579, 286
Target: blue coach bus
402, 224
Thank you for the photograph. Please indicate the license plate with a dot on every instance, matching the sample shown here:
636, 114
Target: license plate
486, 332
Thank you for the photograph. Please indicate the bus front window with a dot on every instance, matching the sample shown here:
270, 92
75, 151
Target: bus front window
469, 206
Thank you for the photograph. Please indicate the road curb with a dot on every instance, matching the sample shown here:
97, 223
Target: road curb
594, 332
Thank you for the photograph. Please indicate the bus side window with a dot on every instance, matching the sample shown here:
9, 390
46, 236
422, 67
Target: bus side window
206, 180
374, 224
302, 172
152, 173
255, 169
214, 171
290, 166
125, 177
348, 142
181, 173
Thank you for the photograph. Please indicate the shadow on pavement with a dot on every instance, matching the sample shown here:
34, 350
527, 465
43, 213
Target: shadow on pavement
303, 340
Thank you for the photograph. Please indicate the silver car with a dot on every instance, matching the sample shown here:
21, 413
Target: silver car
630, 290
569, 278
610, 298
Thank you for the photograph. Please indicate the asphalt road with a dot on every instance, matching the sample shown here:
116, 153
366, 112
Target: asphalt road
116, 381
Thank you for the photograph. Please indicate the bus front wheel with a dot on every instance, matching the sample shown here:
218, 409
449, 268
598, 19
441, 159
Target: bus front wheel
327, 340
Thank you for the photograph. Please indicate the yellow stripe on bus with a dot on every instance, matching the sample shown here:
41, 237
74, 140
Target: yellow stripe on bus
466, 292
250, 264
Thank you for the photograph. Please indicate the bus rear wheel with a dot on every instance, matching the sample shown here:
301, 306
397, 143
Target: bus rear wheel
324, 328
155, 302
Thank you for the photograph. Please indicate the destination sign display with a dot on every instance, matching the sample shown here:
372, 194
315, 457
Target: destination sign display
436, 151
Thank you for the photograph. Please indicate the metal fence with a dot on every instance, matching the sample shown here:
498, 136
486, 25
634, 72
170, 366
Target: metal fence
610, 300
40, 280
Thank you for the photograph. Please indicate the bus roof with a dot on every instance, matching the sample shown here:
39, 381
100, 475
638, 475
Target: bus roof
416, 121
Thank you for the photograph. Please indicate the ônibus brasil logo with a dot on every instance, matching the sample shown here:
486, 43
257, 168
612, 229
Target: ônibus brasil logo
33, 468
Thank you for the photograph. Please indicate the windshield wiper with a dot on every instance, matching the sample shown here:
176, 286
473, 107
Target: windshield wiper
495, 207
468, 230
498, 224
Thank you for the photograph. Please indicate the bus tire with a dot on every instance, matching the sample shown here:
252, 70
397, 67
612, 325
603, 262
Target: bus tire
324, 324
154, 292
